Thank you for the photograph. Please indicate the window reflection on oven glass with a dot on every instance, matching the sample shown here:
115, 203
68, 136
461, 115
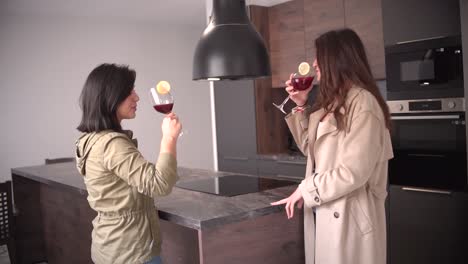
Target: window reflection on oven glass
417, 70
435, 136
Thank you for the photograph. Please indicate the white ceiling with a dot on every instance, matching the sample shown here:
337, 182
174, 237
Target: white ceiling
180, 12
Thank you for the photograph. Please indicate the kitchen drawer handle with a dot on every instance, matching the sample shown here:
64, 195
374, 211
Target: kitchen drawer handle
236, 158
288, 177
426, 190
426, 155
425, 117
291, 162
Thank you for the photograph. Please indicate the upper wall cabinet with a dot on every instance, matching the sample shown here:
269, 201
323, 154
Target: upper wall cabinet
286, 40
320, 16
407, 20
365, 17
295, 25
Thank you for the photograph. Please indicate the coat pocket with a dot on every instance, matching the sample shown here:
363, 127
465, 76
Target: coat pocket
360, 218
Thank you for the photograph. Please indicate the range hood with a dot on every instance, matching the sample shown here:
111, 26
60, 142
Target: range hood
230, 47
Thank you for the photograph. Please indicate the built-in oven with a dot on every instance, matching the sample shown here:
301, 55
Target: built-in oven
424, 69
429, 143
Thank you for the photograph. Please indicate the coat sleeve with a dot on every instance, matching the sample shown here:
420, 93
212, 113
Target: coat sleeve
123, 159
298, 123
362, 147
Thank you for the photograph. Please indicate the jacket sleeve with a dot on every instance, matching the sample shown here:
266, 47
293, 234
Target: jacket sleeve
123, 159
362, 148
298, 123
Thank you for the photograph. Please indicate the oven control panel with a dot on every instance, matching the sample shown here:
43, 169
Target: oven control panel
427, 105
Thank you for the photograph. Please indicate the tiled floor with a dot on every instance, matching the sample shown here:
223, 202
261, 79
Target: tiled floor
4, 256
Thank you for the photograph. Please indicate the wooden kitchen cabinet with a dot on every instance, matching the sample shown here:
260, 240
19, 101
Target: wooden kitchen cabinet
365, 17
270, 126
295, 25
427, 227
320, 16
289, 30
286, 32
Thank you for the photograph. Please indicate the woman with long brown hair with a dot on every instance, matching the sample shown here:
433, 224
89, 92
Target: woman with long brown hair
345, 136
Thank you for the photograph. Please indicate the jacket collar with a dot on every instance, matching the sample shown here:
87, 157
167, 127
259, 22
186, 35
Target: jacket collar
129, 134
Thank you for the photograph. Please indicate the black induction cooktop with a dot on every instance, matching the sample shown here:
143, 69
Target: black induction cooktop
232, 185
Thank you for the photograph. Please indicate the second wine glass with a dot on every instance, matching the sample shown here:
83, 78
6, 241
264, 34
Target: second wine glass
162, 101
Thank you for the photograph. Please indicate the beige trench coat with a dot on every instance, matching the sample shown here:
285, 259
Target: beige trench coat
121, 185
346, 182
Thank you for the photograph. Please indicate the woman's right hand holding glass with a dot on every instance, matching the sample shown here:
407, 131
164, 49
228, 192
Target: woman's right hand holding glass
298, 97
171, 126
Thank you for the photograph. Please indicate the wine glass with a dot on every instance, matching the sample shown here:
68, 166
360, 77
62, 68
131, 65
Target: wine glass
299, 82
162, 102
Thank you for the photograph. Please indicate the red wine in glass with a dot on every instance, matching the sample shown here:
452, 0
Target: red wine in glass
162, 102
301, 83
164, 108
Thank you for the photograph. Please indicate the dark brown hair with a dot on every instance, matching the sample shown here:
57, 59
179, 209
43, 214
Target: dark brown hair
105, 89
343, 63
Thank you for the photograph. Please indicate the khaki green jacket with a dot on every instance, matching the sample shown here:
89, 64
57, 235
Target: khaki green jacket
345, 181
121, 185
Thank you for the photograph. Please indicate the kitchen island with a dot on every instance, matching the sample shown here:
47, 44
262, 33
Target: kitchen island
53, 221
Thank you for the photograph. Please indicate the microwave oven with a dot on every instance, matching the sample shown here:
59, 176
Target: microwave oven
424, 69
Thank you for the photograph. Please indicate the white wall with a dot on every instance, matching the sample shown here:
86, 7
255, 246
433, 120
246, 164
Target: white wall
45, 60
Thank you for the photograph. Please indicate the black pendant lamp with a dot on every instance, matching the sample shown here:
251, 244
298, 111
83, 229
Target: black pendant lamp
230, 47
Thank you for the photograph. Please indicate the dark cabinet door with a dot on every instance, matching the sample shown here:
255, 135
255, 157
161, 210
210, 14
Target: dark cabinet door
406, 20
282, 168
235, 126
427, 227
291, 169
464, 33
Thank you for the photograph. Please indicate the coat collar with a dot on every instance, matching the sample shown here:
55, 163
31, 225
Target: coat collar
330, 124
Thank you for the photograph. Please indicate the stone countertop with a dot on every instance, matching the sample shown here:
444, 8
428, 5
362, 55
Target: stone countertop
191, 209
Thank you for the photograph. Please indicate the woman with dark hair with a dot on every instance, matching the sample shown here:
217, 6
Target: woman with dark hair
121, 184
345, 136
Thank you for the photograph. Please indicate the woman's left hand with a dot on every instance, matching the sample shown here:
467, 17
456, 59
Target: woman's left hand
295, 197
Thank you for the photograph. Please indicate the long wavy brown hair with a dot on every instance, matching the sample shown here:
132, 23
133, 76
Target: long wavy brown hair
343, 63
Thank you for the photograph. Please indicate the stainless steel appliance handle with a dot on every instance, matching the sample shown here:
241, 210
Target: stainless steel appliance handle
425, 117
291, 162
289, 177
426, 190
235, 158
426, 155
